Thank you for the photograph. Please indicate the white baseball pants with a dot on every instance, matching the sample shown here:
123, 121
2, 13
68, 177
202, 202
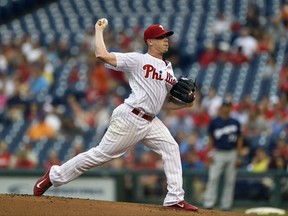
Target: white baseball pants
125, 130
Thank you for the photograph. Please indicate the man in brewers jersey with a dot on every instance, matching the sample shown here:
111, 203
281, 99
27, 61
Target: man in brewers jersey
224, 142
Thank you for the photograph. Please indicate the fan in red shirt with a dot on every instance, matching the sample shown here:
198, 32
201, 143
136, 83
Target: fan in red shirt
208, 56
5, 156
283, 84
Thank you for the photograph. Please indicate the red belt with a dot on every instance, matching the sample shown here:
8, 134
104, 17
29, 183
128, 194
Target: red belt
144, 116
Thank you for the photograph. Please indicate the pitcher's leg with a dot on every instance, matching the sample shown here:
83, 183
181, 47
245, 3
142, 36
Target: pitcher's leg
161, 141
124, 131
77, 165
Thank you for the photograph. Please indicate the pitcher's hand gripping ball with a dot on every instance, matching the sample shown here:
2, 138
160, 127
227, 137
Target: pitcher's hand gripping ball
184, 90
102, 23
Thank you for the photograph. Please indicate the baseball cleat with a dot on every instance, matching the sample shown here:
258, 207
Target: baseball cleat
182, 206
42, 184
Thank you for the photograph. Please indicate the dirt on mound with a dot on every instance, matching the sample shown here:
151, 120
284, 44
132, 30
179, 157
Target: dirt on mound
27, 205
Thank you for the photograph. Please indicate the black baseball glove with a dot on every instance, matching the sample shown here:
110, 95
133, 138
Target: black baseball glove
184, 90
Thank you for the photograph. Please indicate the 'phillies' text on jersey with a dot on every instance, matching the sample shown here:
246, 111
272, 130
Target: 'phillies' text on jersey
155, 75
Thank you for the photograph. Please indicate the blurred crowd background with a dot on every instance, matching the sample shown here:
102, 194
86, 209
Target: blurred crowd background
56, 97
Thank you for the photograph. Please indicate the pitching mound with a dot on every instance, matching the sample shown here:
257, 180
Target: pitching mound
26, 205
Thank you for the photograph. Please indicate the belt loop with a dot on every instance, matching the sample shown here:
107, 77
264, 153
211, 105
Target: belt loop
141, 113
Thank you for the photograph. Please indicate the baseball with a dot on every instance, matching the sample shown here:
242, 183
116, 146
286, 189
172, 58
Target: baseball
103, 22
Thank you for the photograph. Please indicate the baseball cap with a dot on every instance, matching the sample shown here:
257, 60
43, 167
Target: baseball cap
155, 31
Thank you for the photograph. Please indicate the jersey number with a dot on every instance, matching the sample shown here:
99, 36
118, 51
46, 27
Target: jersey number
232, 138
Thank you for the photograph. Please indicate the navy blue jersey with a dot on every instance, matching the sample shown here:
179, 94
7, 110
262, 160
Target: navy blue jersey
225, 133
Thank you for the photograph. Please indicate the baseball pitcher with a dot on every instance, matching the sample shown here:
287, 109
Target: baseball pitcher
154, 87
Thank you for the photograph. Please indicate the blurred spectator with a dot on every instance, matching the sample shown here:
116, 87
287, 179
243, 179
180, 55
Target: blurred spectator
260, 161
32, 112
179, 121
137, 42
241, 113
270, 69
26, 45
22, 161
150, 183
283, 81
274, 106
281, 149
37, 80
223, 54
253, 16
238, 57
277, 163
3, 99
3, 61
212, 102
173, 55
53, 159
257, 121
31, 155
221, 24
209, 55
64, 49
284, 13
116, 164
74, 75
40, 129
52, 117
92, 93
17, 90
265, 43
34, 52
83, 119
15, 113
98, 81
188, 142
124, 41
191, 161
147, 160
247, 42
25, 158
275, 28
278, 125
5, 156
77, 147
200, 118
243, 157
52, 54
102, 118
22, 69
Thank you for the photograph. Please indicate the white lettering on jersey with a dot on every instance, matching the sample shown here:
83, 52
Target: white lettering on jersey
218, 133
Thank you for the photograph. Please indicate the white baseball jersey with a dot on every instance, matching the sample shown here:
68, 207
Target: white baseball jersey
150, 79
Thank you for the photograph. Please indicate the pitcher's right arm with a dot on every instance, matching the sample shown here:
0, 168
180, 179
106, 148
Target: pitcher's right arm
100, 47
